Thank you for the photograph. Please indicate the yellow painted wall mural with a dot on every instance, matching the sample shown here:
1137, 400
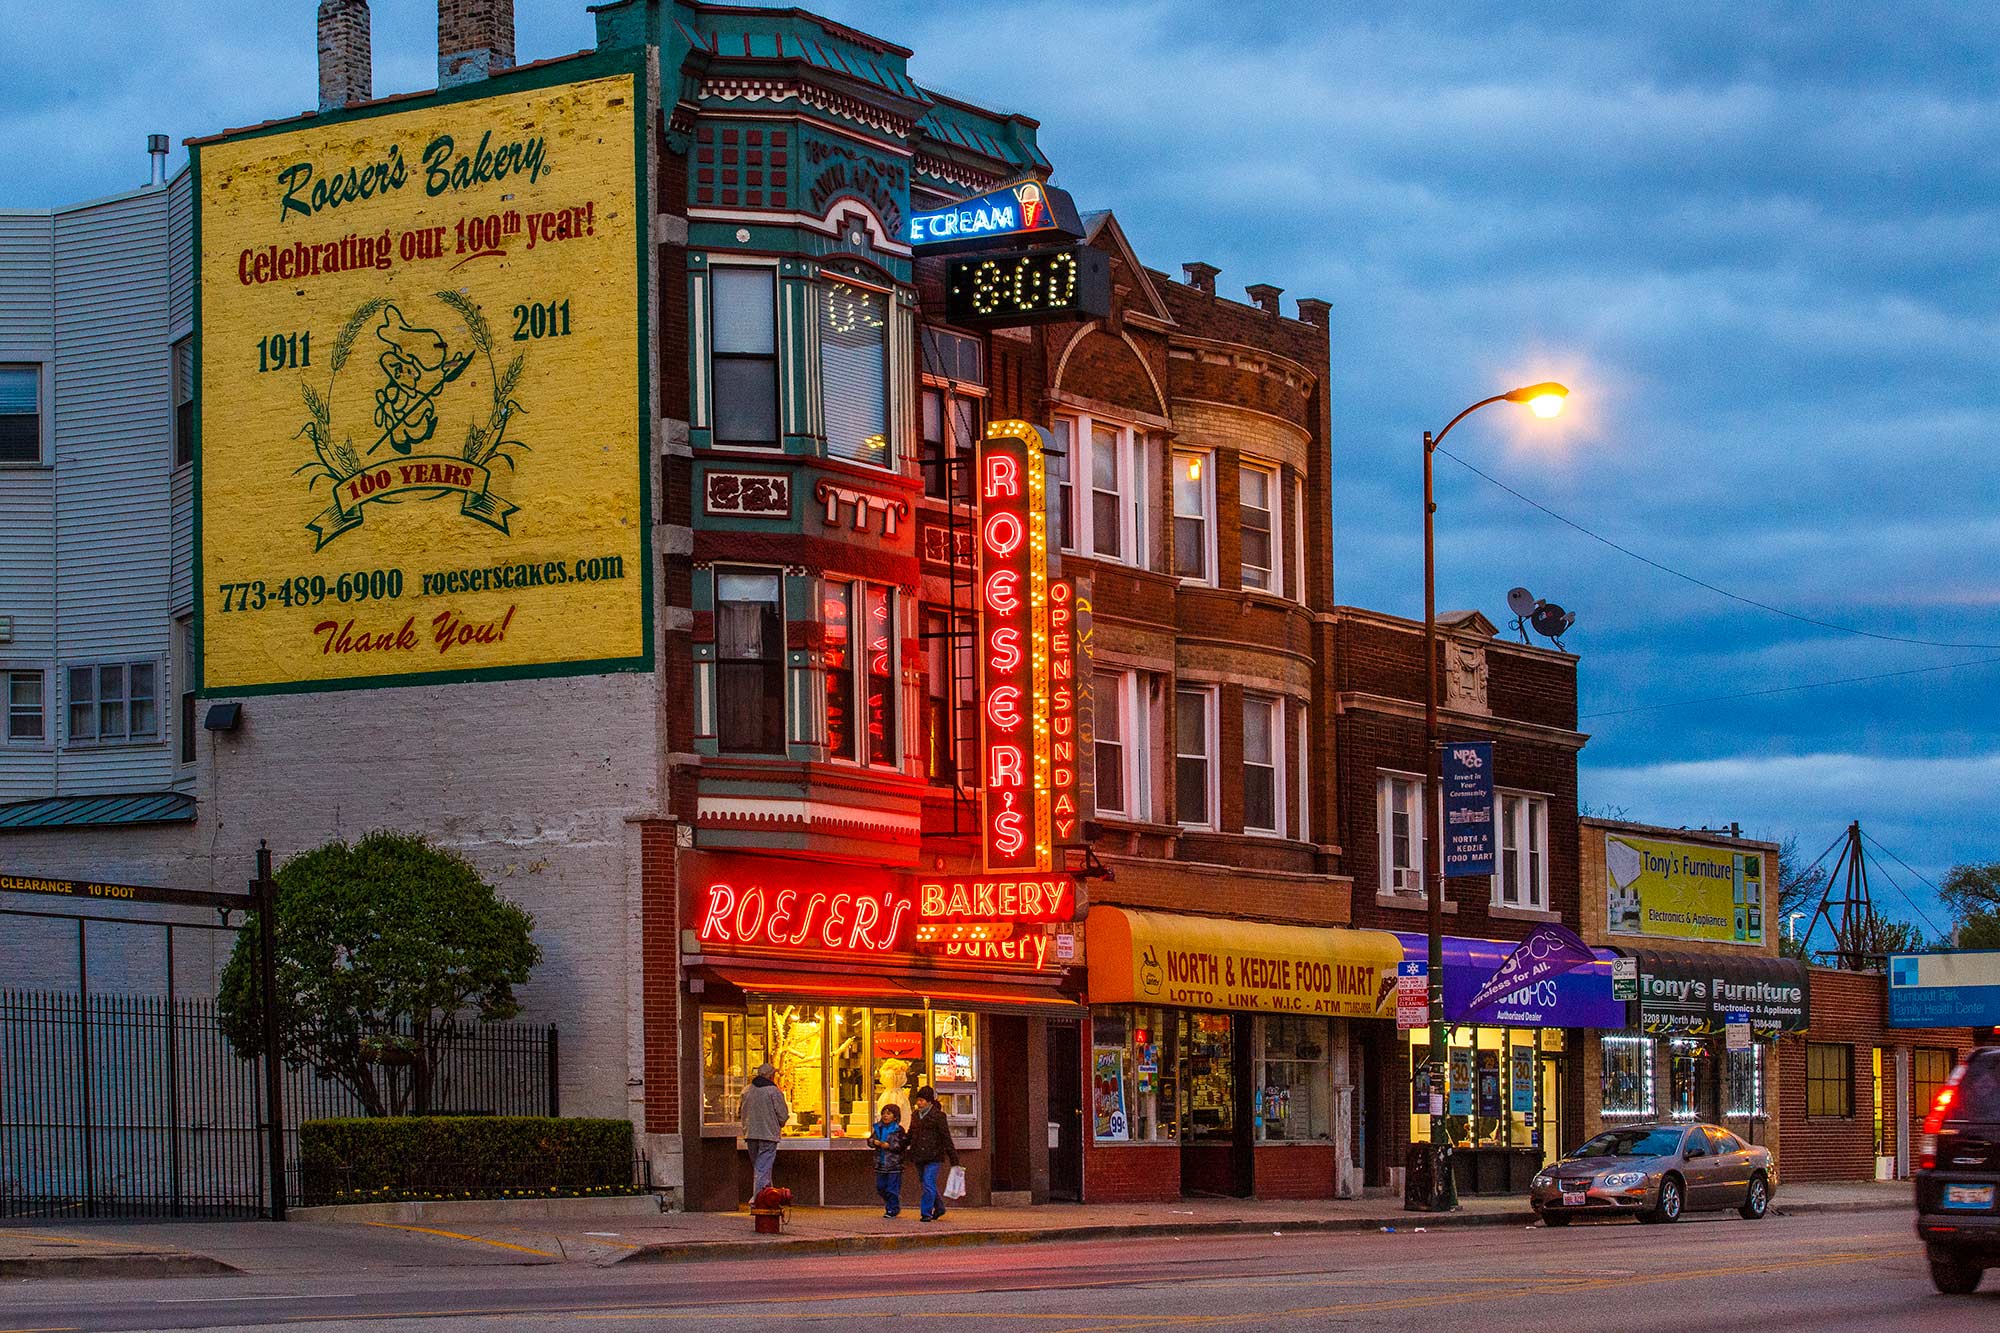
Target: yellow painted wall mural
422, 444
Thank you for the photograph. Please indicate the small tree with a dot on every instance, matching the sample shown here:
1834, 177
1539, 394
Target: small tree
380, 947
1972, 892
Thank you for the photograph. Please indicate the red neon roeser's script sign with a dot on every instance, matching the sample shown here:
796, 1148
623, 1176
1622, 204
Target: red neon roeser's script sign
1013, 648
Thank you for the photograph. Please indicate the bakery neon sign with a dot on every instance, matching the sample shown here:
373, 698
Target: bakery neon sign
840, 920
1015, 759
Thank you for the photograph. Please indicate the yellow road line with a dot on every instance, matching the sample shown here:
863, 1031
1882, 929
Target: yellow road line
455, 1235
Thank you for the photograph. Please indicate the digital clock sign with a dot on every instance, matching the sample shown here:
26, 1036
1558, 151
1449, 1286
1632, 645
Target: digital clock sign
1030, 288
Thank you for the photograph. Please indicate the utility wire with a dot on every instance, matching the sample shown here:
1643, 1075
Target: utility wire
1907, 899
1905, 863
1701, 583
1787, 689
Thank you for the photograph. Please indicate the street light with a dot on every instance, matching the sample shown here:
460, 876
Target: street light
1544, 400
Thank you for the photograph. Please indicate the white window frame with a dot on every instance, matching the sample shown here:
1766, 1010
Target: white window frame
1276, 703
1132, 479
7, 673
97, 739
1210, 758
1204, 461
181, 377
1520, 833
1305, 782
1133, 742
1298, 542
778, 355
1387, 872
1274, 576
42, 377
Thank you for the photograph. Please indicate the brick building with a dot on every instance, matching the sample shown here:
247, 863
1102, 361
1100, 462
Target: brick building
1853, 1092
1516, 1068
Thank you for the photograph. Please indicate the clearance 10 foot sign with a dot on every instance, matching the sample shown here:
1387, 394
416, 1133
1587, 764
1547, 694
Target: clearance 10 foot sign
422, 441
1027, 661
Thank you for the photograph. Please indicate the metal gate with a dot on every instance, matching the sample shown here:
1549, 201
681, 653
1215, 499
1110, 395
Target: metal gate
138, 1106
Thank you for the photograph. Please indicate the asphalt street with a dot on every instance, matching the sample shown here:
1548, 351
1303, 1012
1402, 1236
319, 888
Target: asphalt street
1826, 1271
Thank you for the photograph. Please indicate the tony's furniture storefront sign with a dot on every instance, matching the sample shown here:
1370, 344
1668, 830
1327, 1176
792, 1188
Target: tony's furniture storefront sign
422, 404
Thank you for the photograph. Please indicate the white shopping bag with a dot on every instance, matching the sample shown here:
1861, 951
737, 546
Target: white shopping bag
954, 1183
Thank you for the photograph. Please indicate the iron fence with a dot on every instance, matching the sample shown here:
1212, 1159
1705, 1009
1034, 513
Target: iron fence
138, 1106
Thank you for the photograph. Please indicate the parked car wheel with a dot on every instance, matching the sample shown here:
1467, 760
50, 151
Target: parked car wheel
1668, 1209
1757, 1202
1552, 1219
1955, 1277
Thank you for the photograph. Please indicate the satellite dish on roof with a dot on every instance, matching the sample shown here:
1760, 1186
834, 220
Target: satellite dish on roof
1552, 622
1521, 602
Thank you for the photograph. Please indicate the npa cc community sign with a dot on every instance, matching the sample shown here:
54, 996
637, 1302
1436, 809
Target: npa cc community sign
422, 404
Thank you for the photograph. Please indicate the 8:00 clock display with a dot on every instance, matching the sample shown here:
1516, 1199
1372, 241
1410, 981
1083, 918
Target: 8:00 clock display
1028, 288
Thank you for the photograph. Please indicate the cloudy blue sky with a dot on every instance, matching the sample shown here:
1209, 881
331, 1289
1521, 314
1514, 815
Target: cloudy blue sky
1759, 241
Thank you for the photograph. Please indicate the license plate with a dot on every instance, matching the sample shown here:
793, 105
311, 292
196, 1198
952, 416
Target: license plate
1968, 1196
1574, 1200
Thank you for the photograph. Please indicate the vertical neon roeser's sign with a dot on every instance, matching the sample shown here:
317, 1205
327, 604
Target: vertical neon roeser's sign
1014, 667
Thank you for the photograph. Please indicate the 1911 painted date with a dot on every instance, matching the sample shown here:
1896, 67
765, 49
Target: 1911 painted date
284, 351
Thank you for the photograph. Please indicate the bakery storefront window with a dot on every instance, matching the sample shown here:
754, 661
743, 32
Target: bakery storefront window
1134, 1054
1294, 1096
839, 1064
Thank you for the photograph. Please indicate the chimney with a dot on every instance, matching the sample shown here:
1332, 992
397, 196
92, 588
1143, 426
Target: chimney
1201, 277
1315, 312
156, 149
346, 61
1265, 296
475, 40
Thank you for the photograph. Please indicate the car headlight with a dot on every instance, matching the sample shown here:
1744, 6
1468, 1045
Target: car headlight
1543, 1179
1619, 1180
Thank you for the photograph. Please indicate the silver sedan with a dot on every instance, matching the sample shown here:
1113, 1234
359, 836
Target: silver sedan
1656, 1173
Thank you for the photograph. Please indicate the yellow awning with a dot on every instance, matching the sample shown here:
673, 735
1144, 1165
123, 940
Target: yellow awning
1206, 963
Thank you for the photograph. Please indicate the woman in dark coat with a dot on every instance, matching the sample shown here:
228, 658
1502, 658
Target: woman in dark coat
930, 1147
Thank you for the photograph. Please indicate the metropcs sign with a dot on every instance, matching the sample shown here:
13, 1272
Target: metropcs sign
1029, 744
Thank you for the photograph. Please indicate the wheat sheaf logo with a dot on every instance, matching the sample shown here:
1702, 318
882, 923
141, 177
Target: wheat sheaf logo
414, 409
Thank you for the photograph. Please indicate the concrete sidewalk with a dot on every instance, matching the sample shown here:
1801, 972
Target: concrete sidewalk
157, 1249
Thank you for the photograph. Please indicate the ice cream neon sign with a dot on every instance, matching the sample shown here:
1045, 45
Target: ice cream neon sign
1024, 211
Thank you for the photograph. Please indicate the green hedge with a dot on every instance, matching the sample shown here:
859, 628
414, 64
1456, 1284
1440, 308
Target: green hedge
391, 1159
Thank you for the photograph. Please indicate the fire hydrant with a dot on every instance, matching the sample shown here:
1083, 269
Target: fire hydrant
769, 1208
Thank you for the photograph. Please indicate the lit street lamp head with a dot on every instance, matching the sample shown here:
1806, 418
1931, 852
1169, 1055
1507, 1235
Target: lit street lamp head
1544, 400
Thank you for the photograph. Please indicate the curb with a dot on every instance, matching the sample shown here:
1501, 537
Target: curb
697, 1251
619, 1207
115, 1265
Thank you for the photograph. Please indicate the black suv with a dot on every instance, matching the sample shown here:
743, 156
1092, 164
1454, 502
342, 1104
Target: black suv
1958, 1175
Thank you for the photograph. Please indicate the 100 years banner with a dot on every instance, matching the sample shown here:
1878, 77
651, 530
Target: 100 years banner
422, 444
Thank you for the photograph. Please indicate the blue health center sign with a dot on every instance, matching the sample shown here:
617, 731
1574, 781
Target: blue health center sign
1957, 989
1468, 808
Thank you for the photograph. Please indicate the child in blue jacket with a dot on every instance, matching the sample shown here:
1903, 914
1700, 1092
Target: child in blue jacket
887, 1138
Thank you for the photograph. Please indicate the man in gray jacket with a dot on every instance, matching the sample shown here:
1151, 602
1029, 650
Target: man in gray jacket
763, 1114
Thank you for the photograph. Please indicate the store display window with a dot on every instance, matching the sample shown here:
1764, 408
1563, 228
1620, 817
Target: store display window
1294, 1093
1628, 1076
1133, 1067
838, 1065
1493, 1091
1744, 1092
1210, 1051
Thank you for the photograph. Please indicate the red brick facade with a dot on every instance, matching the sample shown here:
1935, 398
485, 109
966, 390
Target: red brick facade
1849, 1012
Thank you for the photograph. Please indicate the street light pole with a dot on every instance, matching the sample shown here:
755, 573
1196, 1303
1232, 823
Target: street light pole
1546, 400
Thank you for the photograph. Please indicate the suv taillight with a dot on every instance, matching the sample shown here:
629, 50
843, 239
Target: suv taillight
1927, 1151
1946, 1095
